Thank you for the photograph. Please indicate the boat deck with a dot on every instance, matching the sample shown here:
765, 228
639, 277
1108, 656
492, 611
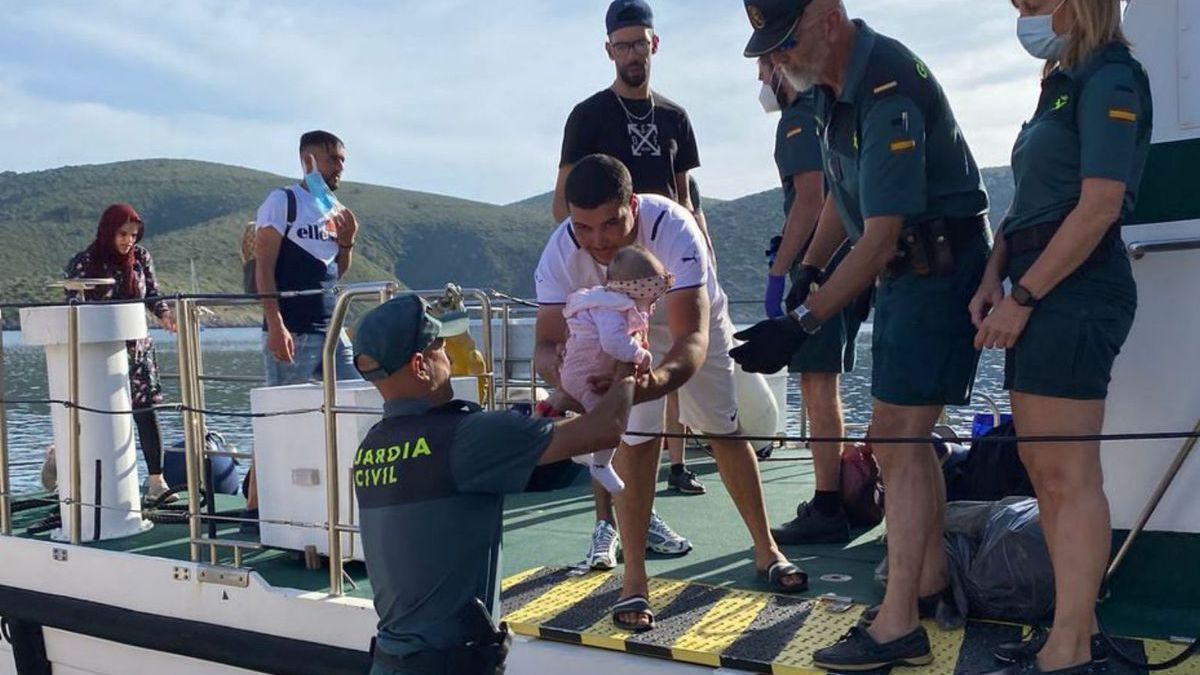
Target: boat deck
710, 610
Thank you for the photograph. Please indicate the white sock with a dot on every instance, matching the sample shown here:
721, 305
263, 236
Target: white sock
601, 470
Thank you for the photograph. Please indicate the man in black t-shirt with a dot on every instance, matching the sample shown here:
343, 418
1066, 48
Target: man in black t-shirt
652, 136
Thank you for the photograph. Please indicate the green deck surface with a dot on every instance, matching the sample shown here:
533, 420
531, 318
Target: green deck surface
1157, 594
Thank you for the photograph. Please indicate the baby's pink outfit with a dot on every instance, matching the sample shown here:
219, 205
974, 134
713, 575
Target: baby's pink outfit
604, 327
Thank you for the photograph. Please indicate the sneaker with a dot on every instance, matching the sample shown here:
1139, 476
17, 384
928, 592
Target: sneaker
663, 540
813, 527
1027, 649
857, 650
606, 543
684, 481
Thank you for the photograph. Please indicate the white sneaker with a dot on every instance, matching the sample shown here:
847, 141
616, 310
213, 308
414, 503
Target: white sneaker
663, 540
605, 544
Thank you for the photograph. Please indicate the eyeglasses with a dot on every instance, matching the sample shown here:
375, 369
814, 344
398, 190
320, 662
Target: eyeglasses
639, 47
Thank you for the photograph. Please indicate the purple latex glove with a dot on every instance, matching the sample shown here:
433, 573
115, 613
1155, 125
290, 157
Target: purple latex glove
773, 302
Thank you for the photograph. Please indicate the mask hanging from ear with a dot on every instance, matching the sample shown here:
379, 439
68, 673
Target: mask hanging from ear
768, 100
1037, 35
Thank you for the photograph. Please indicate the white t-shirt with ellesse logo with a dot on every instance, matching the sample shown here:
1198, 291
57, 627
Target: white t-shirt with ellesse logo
664, 228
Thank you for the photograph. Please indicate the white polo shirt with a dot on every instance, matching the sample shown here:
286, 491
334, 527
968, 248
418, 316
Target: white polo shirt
664, 228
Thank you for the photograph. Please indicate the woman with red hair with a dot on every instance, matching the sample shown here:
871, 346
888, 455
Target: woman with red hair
115, 254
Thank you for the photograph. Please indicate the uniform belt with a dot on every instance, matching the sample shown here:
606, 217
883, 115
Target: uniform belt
917, 248
478, 659
1037, 237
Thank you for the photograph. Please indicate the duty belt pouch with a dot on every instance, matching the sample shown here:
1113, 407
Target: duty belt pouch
487, 645
940, 249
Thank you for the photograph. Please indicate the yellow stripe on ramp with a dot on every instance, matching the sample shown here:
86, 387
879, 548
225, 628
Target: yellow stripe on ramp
605, 635
720, 627
555, 601
518, 578
1158, 651
821, 629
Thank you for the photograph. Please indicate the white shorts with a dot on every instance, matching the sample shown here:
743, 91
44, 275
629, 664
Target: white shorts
707, 401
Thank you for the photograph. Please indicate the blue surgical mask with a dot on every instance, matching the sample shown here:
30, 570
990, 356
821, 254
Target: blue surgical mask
1037, 35
320, 191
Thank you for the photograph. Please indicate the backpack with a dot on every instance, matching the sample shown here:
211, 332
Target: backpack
991, 471
249, 268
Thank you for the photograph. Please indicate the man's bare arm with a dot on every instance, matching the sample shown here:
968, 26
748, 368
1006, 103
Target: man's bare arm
688, 319
801, 220
559, 207
859, 268
550, 333
267, 241
829, 236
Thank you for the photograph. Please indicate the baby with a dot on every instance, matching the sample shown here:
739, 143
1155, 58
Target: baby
607, 324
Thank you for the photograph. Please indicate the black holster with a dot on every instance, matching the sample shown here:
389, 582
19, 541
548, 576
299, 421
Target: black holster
932, 247
484, 652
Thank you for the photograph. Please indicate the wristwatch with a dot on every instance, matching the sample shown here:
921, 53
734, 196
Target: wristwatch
808, 322
1023, 297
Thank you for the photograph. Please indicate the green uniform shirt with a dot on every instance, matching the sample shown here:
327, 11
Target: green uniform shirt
430, 484
1091, 122
797, 145
891, 144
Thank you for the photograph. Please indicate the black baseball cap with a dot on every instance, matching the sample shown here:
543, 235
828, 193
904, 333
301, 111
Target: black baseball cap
773, 21
626, 13
394, 332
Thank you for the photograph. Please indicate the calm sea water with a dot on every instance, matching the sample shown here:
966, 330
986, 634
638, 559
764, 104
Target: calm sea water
236, 351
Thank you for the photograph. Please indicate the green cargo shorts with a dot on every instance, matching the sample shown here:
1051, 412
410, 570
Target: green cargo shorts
1074, 335
923, 346
832, 349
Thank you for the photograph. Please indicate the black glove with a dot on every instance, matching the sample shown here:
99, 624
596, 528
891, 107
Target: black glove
802, 286
769, 345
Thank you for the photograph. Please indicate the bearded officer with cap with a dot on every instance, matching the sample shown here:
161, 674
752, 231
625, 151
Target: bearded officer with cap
906, 190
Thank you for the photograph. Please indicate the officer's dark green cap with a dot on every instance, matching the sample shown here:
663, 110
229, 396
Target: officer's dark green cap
394, 332
773, 21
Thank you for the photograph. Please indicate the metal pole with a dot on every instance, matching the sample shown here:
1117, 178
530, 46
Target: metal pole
505, 315
185, 393
76, 524
486, 324
1151, 505
5, 498
329, 410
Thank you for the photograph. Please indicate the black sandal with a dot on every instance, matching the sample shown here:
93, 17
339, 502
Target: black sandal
774, 575
634, 604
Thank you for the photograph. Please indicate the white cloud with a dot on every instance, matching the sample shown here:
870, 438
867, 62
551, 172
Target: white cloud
464, 98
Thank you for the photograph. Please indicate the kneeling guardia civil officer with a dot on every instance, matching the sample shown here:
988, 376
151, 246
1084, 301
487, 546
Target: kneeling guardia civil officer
435, 466
904, 186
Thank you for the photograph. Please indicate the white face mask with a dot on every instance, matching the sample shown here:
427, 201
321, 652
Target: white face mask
768, 100
1037, 35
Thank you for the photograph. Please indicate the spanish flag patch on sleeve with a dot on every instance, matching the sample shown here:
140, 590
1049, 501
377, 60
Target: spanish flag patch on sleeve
1122, 115
903, 145
795, 132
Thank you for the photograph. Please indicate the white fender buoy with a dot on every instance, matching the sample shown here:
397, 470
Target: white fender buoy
758, 412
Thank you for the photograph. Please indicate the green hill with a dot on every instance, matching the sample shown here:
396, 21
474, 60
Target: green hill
195, 211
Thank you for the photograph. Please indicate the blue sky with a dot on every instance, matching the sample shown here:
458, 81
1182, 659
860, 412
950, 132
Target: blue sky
459, 97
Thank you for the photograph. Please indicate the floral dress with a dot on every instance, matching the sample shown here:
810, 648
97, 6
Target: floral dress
145, 388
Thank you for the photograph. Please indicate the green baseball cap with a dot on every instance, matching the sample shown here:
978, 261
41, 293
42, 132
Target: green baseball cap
394, 332
773, 22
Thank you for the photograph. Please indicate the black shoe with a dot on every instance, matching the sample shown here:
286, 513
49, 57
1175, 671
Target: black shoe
249, 527
1030, 667
1027, 650
857, 650
684, 481
810, 526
